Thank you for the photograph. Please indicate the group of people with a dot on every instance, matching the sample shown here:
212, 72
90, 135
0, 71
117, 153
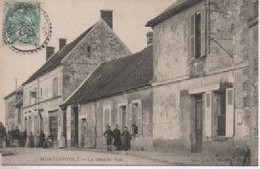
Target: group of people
121, 140
39, 140
23, 139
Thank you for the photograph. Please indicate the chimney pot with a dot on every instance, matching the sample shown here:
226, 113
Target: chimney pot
62, 43
49, 52
149, 36
107, 16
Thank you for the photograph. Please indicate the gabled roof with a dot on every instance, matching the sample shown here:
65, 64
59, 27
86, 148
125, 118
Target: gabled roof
173, 9
114, 77
55, 60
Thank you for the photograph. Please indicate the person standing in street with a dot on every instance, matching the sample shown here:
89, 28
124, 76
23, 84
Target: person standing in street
42, 138
36, 139
109, 135
126, 139
117, 138
62, 140
31, 140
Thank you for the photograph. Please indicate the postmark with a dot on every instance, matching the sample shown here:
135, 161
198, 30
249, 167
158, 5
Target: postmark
27, 27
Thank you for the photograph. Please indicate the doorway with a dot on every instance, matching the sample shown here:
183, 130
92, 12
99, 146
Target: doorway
83, 130
54, 128
198, 124
75, 127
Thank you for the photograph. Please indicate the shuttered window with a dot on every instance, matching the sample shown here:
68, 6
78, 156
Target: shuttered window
219, 113
198, 34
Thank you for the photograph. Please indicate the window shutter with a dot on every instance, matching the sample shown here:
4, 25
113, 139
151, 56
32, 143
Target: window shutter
230, 112
203, 32
208, 114
192, 36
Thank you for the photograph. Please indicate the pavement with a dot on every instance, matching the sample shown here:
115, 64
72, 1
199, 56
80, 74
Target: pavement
75, 156
173, 159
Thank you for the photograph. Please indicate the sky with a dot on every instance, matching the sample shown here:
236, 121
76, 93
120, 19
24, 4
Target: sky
69, 19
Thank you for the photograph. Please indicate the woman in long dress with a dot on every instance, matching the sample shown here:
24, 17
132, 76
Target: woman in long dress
126, 137
31, 141
117, 138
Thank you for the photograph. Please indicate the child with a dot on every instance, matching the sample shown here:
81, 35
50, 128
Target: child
109, 135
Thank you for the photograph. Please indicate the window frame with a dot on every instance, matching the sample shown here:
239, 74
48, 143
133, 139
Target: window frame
139, 116
108, 107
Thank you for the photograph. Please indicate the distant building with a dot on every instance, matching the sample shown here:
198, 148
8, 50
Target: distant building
63, 72
13, 109
117, 92
204, 54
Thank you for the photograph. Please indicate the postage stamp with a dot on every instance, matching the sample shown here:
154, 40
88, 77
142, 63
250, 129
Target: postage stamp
26, 27
22, 21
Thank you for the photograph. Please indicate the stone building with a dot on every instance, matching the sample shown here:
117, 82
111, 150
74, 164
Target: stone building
201, 52
253, 78
13, 109
117, 92
63, 72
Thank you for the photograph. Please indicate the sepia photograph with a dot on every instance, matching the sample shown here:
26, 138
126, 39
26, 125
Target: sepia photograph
129, 83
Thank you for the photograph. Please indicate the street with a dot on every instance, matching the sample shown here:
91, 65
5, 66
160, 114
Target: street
38, 156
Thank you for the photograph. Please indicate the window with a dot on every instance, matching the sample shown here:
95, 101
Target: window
88, 51
198, 34
33, 96
55, 87
106, 117
123, 113
221, 113
134, 113
136, 116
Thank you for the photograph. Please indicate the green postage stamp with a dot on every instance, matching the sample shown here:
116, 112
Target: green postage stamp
21, 23
26, 27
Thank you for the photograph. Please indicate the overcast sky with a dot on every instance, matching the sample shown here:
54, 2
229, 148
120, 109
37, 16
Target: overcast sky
69, 19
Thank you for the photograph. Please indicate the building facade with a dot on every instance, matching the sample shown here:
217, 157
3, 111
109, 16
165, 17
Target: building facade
63, 72
117, 92
13, 110
201, 69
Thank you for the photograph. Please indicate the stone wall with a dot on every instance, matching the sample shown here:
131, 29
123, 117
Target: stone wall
93, 113
174, 69
100, 45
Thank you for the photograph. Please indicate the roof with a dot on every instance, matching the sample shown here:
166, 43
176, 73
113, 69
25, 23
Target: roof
55, 60
114, 77
13, 93
173, 9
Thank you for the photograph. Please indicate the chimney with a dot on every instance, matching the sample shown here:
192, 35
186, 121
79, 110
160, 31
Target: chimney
149, 38
49, 52
62, 43
107, 16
